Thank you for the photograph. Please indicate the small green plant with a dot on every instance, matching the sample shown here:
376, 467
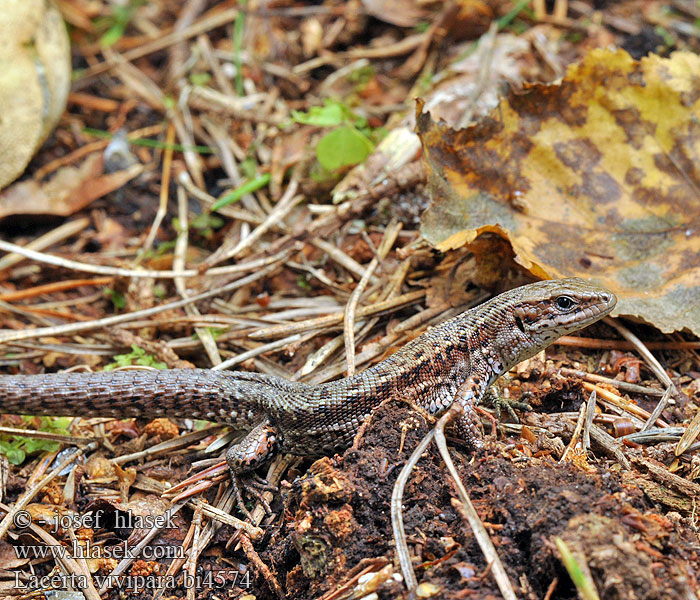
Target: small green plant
137, 356
115, 24
200, 79
666, 36
361, 76
162, 248
421, 27
159, 291
350, 140
214, 331
303, 283
117, 298
17, 447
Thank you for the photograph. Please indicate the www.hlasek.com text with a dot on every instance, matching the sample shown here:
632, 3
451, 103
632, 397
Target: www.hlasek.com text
86, 549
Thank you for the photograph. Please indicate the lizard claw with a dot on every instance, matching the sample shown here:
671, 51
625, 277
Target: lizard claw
253, 486
500, 401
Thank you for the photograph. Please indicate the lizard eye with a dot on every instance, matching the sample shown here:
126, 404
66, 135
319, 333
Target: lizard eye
564, 303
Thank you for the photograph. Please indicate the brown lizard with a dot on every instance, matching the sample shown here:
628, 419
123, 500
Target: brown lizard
455, 361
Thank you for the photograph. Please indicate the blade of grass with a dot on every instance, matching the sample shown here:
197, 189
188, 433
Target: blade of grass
583, 584
149, 143
238, 28
247, 188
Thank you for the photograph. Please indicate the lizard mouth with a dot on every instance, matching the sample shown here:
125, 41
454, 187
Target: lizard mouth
601, 305
608, 299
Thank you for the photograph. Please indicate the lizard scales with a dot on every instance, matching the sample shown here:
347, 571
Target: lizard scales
454, 361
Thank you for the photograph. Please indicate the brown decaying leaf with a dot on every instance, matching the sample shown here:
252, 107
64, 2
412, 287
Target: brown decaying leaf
450, 98
597, 176
9, 557
403, 13
68, 191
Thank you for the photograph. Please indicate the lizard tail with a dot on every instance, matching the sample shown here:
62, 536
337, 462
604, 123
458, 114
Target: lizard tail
221, 396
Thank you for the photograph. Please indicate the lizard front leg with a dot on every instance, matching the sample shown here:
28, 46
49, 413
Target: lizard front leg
468, 425
257, 448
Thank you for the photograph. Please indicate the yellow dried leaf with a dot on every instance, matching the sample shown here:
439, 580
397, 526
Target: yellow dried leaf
597, 176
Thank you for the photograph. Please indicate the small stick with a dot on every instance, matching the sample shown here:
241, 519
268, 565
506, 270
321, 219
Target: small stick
50, 288
390, 235
262, 568
211, 21
337, 317
661, 374
67, 563
596, 344
136, 551
590, 413
71, 328
269, 347
29, 494
620, 402
402, 553
203, 333
639, 346
145, 273
66, 230
577, 431
468, 510
623, 385
164, 189
340, 257
195, 549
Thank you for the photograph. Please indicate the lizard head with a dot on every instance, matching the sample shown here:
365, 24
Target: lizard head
546, 310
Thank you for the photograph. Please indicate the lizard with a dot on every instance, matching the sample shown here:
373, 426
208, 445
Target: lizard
455, 361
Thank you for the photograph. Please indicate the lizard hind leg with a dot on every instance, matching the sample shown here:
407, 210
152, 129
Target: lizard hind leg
256, 449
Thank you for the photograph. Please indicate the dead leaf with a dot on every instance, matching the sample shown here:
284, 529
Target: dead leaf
464, 91
597, 176
488, 264
68, 191
9, 557
402, 13
399, 148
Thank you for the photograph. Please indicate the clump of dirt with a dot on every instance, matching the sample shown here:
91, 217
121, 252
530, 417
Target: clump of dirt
338, 517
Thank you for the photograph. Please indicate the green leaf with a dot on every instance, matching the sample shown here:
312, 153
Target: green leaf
17, 447
13, 453
249, 167
57, 424
32, 445
200, 79
112, 35
121, 15
303, 283
117, 298
159, 291
238, 33
137, 356
331, 114
216, 331
205, 223
342, 147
